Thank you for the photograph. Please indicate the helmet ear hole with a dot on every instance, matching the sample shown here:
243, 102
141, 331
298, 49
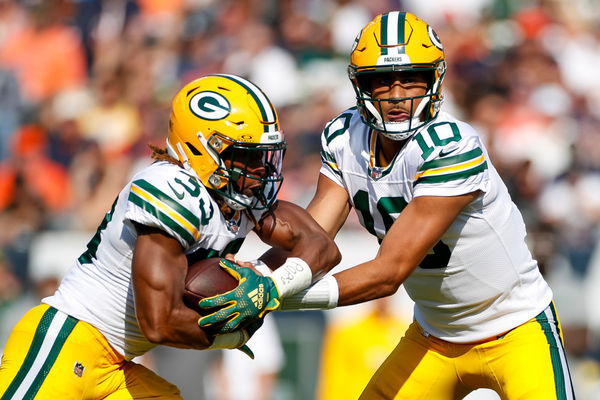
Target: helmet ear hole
364, 83
193, 149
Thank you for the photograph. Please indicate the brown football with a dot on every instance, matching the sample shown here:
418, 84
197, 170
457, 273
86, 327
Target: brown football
205, 278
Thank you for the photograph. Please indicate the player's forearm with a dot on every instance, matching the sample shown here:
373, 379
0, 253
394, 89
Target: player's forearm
369, 281
292, 230
175, 328
357, 285
319, 252
303, 252
311, 258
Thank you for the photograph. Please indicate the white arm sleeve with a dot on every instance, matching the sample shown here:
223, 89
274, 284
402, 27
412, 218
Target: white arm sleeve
322, 295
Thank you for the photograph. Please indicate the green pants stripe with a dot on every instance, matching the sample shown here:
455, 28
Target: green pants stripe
52, 332
548, 322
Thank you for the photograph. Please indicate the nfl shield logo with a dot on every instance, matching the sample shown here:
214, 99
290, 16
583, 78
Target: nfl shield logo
78, 369
376, 173
232, 226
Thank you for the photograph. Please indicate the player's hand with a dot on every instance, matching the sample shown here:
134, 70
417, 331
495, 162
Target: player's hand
250, 329
237, 339
254, 296
231, 257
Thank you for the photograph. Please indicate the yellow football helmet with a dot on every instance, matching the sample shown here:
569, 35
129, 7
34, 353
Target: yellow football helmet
397, 41
225, 131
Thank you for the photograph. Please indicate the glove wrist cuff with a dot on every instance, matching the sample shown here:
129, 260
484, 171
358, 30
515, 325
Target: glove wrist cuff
292, 276
231, 340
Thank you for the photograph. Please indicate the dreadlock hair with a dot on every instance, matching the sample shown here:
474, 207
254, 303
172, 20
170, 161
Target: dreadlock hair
161, 154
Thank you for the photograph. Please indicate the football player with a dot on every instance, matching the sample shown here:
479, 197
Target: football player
422, 182
217, 180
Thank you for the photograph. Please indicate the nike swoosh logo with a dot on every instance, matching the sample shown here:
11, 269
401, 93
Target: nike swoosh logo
179, 195
445, 153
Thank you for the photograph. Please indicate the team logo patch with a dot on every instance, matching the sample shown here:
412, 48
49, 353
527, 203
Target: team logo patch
211, 106
78, 369
434, 38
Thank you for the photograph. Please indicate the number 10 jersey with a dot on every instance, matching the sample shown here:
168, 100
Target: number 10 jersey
480, 279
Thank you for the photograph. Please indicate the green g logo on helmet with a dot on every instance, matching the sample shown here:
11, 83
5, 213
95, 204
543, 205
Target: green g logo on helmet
211, 106
225, 131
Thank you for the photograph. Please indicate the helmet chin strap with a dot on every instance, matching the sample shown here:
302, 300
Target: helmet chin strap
180, 155
235, 200
398, 130
236, 205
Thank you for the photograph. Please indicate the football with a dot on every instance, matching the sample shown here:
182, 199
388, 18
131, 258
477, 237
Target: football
205, 278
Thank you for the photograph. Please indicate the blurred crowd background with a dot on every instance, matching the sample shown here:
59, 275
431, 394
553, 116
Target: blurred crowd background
85, 85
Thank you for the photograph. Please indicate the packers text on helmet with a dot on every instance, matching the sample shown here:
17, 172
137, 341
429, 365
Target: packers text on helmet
393, 42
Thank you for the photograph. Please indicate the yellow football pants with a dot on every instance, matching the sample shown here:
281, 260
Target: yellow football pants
50, 355
526, 363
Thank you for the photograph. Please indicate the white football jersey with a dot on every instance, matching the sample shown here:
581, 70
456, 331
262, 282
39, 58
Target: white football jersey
480, 279
98, 289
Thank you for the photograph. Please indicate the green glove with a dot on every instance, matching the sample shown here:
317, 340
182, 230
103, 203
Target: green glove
254, 296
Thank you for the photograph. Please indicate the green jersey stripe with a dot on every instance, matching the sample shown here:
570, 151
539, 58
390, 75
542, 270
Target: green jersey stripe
327, 157
452, 176
162, 217
332, 166
447, 161
34, 349
329, 160
168, 201
335, 170
59, 342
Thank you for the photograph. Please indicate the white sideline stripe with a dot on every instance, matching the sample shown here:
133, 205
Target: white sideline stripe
53, 330
561, 352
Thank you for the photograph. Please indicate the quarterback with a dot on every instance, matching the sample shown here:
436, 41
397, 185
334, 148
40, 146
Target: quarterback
422, 182
217, 180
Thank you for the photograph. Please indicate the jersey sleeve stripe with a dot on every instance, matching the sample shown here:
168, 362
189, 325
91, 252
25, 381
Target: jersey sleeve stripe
164, 205
137, 199
167, 201
453, 176
327, 157
147, 198
452, 168
330, 161
444, 162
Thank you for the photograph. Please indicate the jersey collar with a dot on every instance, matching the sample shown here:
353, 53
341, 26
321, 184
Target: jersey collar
376, 172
